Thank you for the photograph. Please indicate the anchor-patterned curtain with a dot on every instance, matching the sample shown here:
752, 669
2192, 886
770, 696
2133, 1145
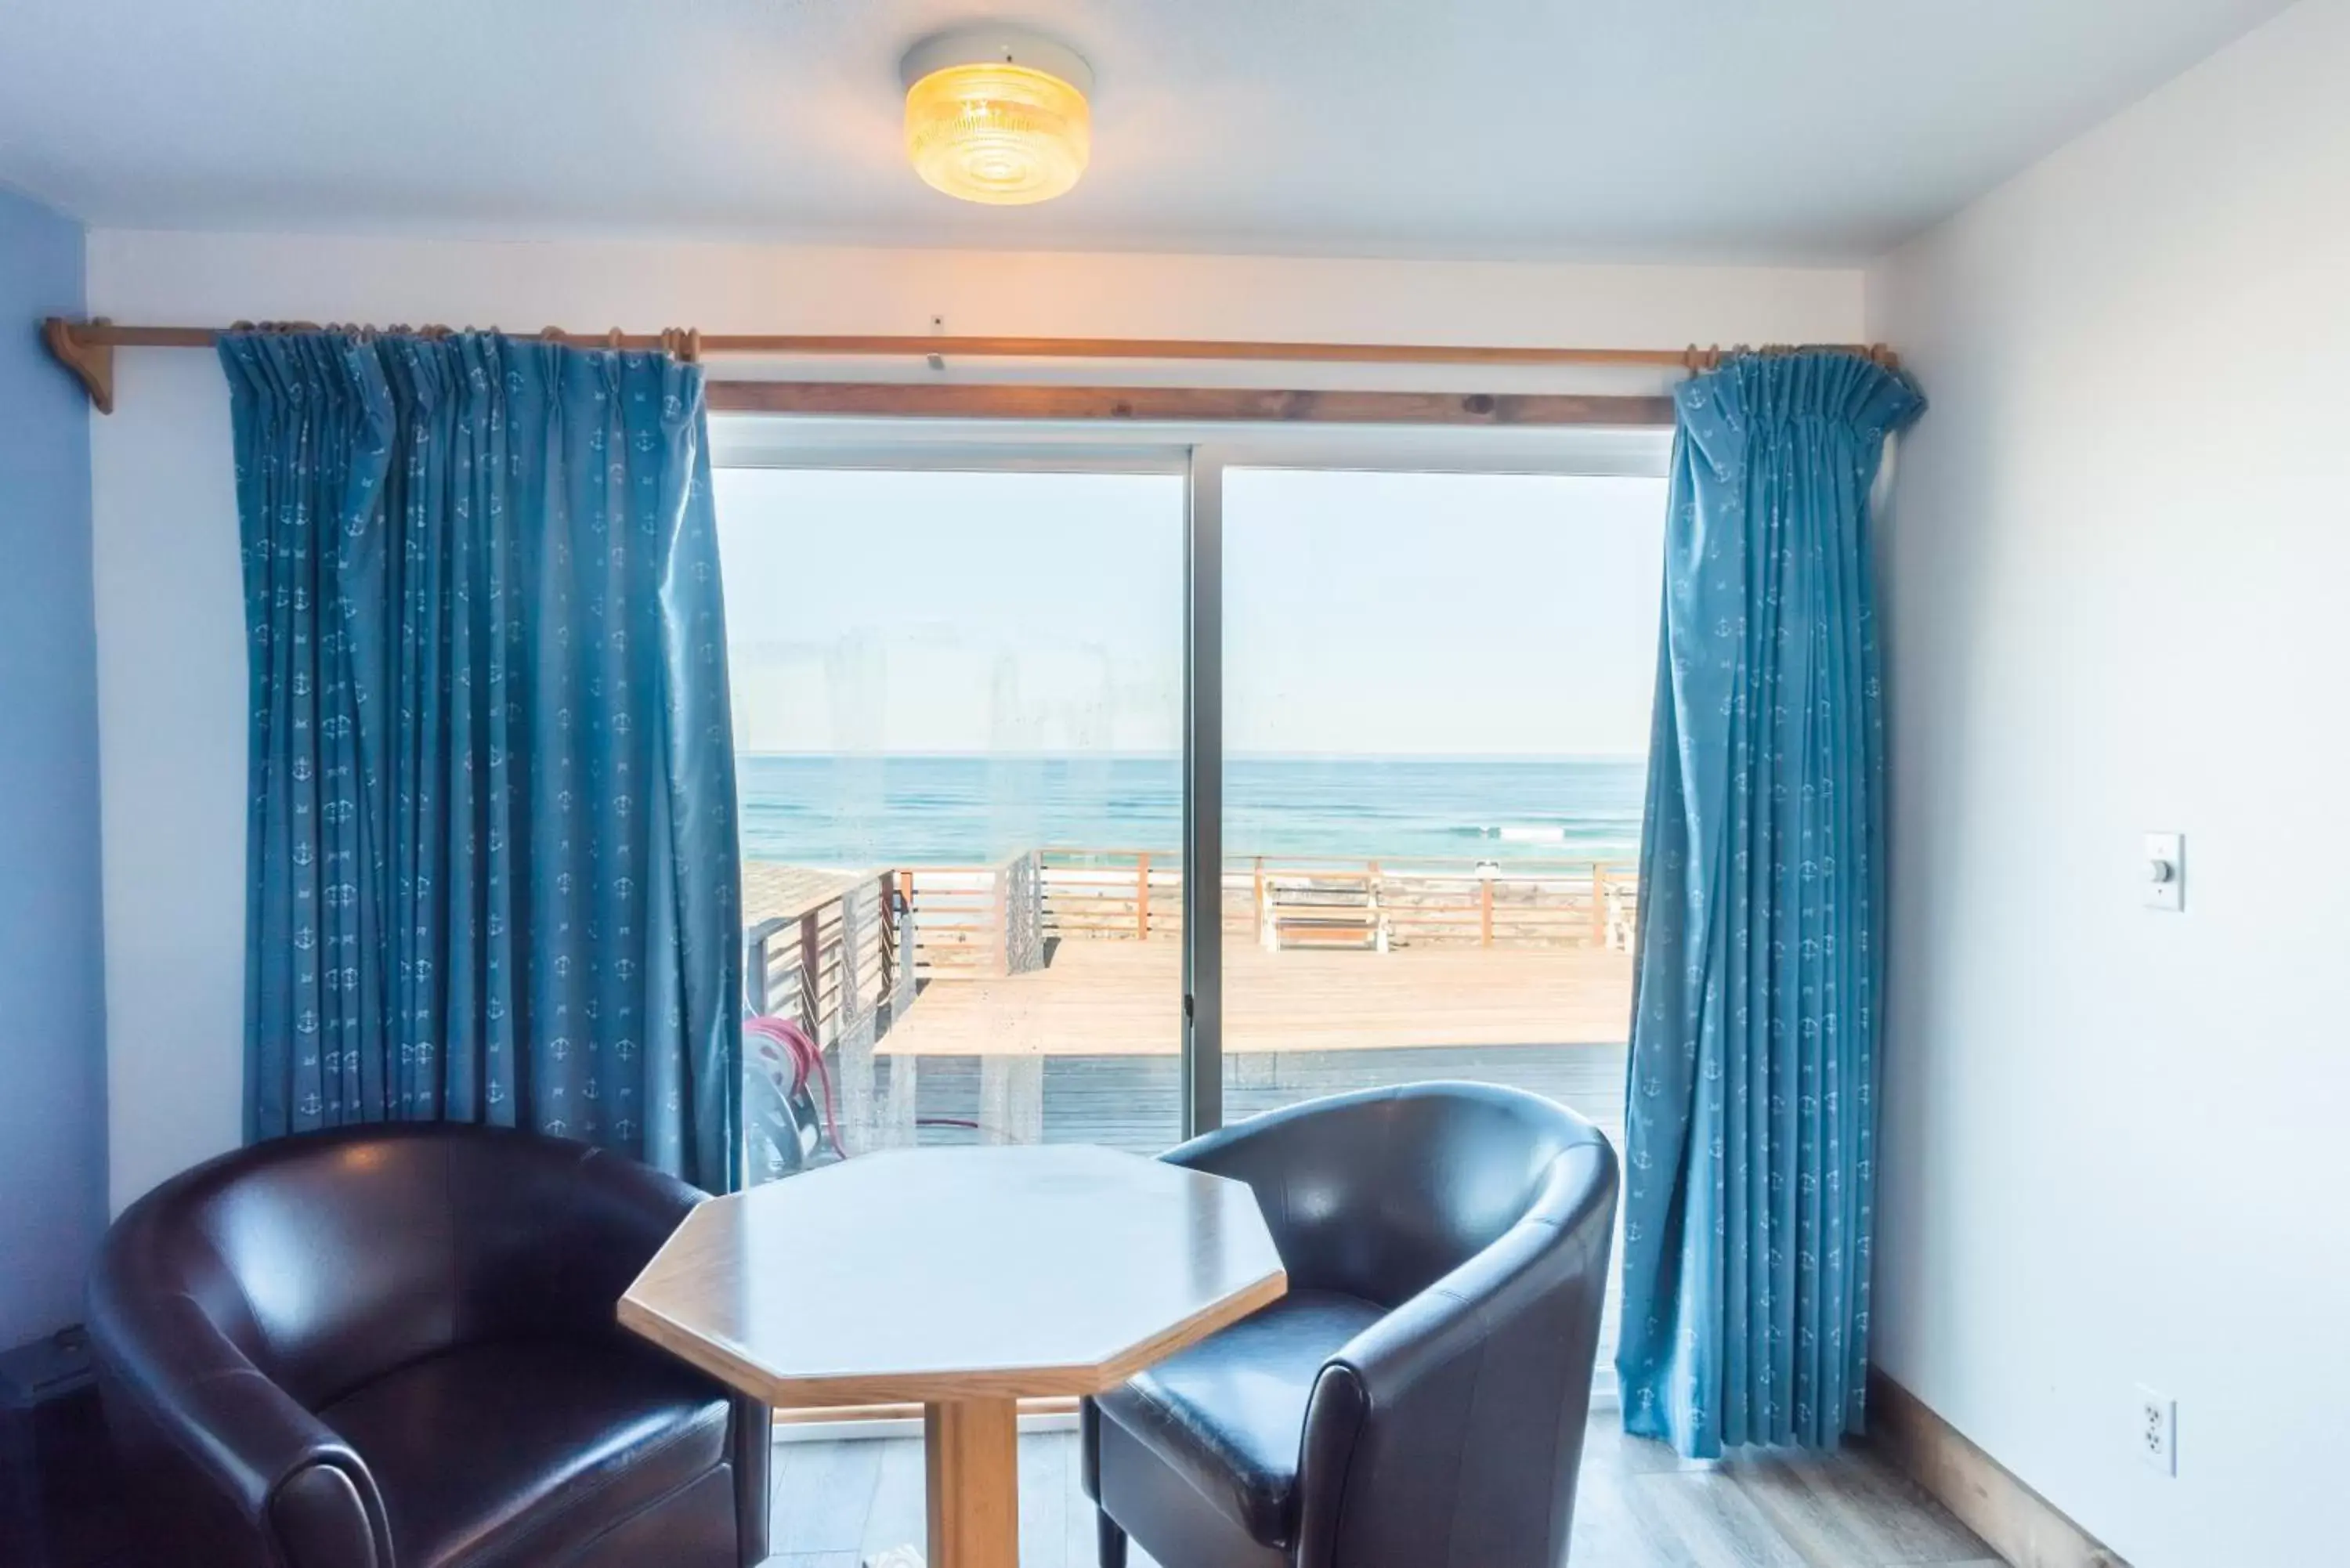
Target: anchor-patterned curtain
1749, 1192
492, 853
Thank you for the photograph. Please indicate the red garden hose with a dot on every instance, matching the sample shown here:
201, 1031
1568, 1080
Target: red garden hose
785, 1039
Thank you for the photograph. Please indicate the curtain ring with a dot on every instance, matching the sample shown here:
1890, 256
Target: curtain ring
612, 339
692, 346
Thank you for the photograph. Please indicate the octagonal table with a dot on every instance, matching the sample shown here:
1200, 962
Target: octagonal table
961, 1280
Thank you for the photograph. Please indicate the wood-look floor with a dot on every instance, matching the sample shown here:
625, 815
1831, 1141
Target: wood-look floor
1637, 1506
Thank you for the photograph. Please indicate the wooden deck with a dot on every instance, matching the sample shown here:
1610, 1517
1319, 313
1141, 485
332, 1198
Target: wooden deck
1087, 1049
1130, 1102
774, 891
1122, 999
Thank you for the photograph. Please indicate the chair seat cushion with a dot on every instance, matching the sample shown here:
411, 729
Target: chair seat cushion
1228, 1413
515, 1451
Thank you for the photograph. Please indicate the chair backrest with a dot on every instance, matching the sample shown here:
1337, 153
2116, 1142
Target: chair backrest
1451, 1429
331, 1257
1380, 1193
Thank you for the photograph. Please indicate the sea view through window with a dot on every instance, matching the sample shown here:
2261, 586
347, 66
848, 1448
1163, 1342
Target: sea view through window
957, 710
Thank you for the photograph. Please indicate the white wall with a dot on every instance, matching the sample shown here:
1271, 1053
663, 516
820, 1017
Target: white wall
2114, 570
52, 990
171, 657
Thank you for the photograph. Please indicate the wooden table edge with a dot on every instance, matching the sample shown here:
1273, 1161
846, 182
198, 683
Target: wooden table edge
716, 1358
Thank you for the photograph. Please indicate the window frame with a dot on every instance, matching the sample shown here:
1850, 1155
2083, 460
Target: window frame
1203, 455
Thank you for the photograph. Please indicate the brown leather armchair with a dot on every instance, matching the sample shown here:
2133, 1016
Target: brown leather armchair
1418, 1397
394, 1347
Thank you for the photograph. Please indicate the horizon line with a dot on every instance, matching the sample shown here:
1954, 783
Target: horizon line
917, 754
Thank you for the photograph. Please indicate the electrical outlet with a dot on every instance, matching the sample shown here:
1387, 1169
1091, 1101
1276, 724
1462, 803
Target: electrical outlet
2157, 1431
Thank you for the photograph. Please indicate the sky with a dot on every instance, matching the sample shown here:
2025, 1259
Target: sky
1365, 613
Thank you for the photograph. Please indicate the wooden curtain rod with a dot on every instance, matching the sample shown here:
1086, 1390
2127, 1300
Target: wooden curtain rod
1179, 405
86, 349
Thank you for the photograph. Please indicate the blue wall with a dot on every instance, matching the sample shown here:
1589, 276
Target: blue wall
52, 990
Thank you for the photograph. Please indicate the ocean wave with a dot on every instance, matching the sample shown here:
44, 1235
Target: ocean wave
1511, 833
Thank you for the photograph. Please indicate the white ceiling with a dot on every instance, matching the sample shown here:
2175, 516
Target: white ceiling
1814, 130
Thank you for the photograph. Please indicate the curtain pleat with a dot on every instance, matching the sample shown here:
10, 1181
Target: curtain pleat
491, 840
1750, 1114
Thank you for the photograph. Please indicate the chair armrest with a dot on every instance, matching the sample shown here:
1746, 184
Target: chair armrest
641, 1207
1558, 1250
1455, 1412
247, 1465
570, 1229
1230, 1150
1263, 1152
1434, 1331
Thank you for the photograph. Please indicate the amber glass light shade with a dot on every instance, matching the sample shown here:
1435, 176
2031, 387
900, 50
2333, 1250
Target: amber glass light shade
997, 132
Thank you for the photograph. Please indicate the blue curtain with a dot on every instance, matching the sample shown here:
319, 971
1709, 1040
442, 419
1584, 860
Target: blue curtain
492, 851
1750, 1093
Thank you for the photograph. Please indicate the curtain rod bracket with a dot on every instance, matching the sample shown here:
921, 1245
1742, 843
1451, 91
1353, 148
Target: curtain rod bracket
92, 364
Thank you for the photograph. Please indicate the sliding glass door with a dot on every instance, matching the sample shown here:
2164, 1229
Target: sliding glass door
1436, 707
1436, 702
1106, 798
958, 711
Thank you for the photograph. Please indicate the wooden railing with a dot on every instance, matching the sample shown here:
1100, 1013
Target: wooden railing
1549, 904
976, 921
836, 966
855, 957
1118, 895
1132, 895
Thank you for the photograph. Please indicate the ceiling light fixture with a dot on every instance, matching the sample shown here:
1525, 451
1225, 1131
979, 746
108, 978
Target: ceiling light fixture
996, 115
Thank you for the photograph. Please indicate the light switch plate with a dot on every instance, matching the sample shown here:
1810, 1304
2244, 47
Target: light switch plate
2165, 871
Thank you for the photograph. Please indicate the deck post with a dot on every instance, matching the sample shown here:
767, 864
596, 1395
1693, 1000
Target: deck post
885, 927
897, 1126
811, 978
908, 933
1484, 912
754, 974
857, 1018
1599, 905
999, 920
1142, 896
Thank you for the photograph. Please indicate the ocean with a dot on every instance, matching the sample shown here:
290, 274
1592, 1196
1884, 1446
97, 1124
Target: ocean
864, 810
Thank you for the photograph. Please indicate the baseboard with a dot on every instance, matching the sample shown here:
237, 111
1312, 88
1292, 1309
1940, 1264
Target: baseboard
2017, 1522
